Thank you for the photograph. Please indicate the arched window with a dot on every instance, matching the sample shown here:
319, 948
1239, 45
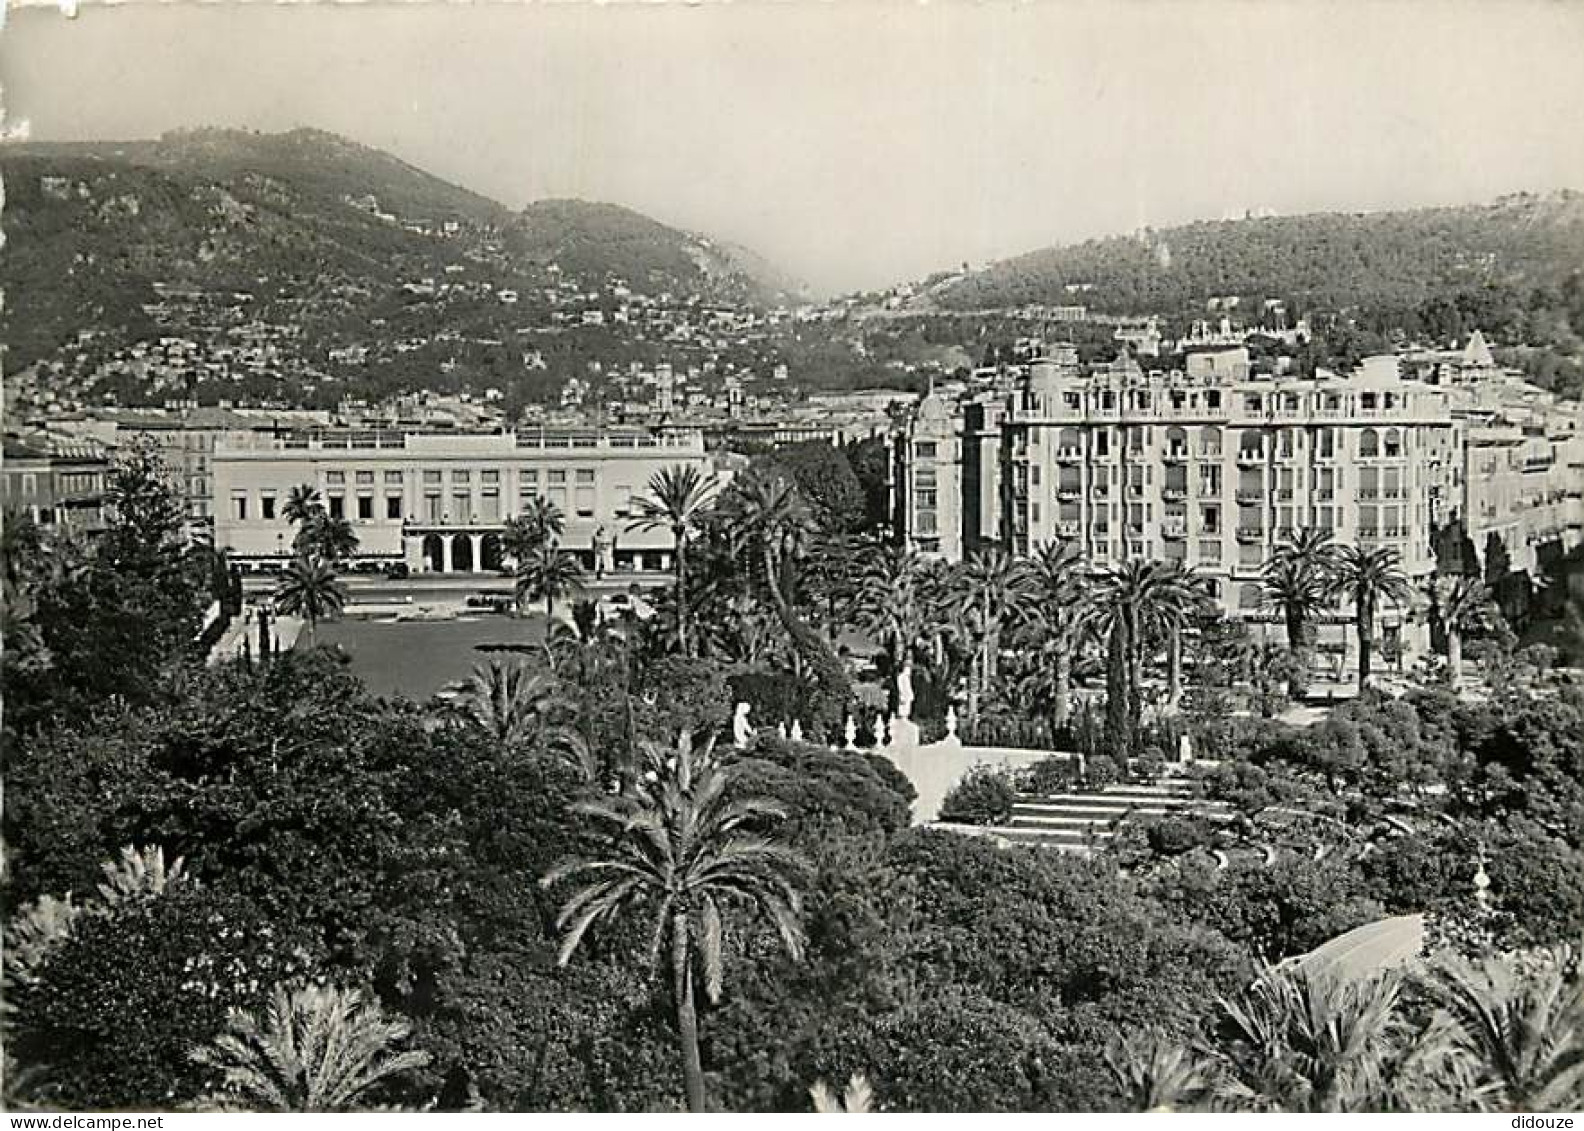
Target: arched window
1369, 443
1067, 440
1393, 443
1210, 440
1177, 441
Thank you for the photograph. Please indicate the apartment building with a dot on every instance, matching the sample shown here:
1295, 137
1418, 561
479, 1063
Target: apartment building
438, 502
1209, 466
58, 482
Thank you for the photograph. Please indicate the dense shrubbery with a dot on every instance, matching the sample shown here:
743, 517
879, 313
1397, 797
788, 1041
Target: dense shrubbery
983, 797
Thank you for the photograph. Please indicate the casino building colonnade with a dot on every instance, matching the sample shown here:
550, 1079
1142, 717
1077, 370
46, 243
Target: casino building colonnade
439, 502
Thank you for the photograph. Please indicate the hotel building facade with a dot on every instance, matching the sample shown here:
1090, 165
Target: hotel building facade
438, 502
1214, 467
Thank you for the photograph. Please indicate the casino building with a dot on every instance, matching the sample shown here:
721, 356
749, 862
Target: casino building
439, 501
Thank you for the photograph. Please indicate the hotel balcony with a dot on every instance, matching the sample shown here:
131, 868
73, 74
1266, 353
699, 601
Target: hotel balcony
1209, 453
1102, 490
1285, 494
1174, 530
1069, 493
1174, 494
1250, 498
1250, 459
1067, 529
1250, 534
1069, 455
1176, 453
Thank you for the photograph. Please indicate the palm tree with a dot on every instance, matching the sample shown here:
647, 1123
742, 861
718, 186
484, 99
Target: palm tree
1311, 1042
314, 1049
309, 589
993, 588
678, 497
507, 701
767, 515
1155, 1073
1055, 625
1519, 1023
539, 525
888, 602
858, 1099
326, 536
546, 573
1293, 582
302, 503
682, 854
1461, 602
1365, 577
1130, 603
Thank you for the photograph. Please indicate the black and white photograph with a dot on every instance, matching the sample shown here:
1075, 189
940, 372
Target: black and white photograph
791, 557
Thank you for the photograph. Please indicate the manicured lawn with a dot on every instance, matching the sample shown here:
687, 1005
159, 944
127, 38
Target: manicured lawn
418, 658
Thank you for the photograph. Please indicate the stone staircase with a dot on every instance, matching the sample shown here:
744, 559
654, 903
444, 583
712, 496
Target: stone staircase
1075, 822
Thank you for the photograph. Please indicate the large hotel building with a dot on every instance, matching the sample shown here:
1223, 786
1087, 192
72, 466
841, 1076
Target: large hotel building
439, 501
1214, 467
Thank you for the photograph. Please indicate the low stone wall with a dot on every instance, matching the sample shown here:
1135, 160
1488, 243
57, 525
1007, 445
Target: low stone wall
934, 769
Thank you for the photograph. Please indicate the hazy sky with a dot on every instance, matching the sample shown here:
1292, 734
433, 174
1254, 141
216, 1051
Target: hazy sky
860, 144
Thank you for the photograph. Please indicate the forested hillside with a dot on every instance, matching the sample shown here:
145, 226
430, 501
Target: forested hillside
1330, 261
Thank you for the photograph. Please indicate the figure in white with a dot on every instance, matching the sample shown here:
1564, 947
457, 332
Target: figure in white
879, 731
781, 730
797, 730
1185, 750
904, 688
850, 733
742, 733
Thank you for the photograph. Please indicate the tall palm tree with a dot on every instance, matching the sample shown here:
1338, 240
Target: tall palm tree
888, 602
539, 524
767, 514
1519, 1022
1461, 602
325, 536
314, 1049
1294, 580
1055, 624
309, 588
682, 854
1129, 604
546, 573
507, 701
1365, 578
302, 503
678, 497
994, 589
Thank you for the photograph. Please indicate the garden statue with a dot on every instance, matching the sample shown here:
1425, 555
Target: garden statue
850, 733
602, 553
742, 733
904, 689
879, 731
1185, 750
797, 731
781, 730
951, 722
